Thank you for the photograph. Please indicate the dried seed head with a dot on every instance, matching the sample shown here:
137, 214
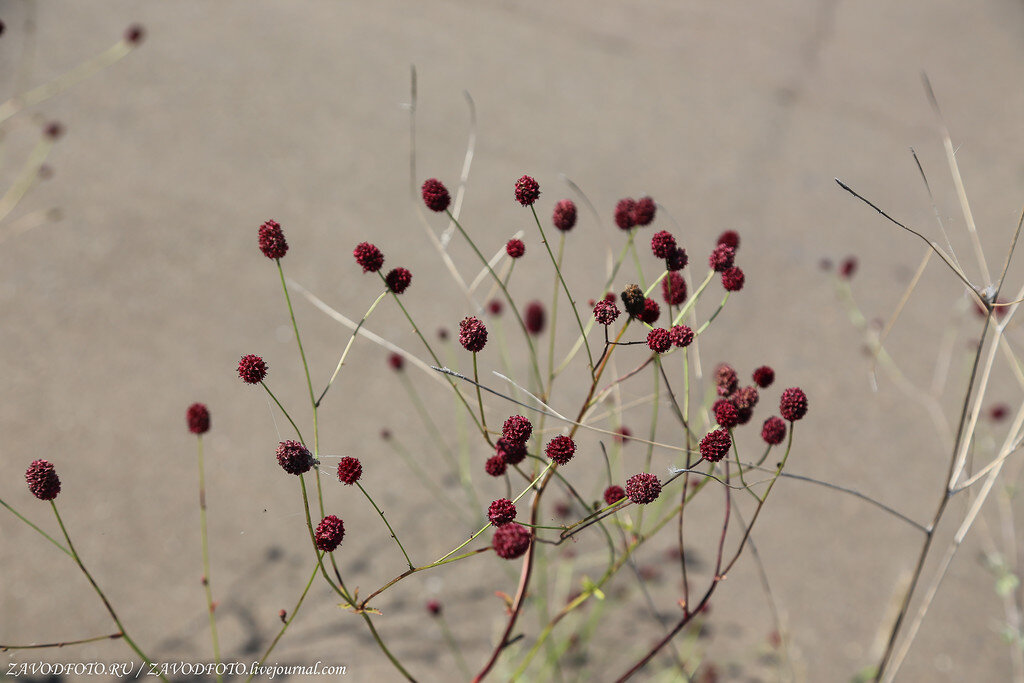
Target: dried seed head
272, 241
435, 195
42, 480
472, 334
329, 533
564, 215
511, 540
633, 301
252, 369
643, 488
198, 418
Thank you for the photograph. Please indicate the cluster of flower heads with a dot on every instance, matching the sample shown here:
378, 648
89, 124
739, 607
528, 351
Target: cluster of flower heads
630, 213
510, 449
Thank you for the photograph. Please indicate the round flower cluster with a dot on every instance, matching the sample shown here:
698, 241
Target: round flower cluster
42, 480
605, 312
495, 466
746, 398
534, 318
560, 449
501, 511
663, 244
398, 280
511, 540
633, 300
658, 340
677, 260
272, 242
673, 288
510, 452
435, 195
613, 494
516, 430
715, 445
294, 458
527, 191
624, 217
472, 334
349, 470
643, 211
396, 362
329, 533
764, 376
564, 215
681, 335
730, 238
793, 404
368, 256
773, 431
252, 369
721, 258
733, 279
726, 414
643, 488
651, 313
515, 248
198, 418
726, 379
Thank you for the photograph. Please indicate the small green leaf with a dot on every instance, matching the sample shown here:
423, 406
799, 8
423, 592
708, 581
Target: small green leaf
1006, 584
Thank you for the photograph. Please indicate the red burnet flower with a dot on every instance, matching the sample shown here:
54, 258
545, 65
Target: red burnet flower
564, 215
511, 540
53, 130
726, 379
745, 415
501, 511
511, 452
721, 258
681, 335
793, 404
730, 238
677, 260
623, 433
673, 288
732, 279
398, 280
715, 445
773, 431
605, 312
624, 213
272, 241
764, 376
745, 398
329, 533
495, 466
560, 449
252, 369
442, 333
434, 607
643, 488
534, 317
663, 244
652, 311
368, 256
494, 307
472, 334
435, 195
515, 248
527, 191
998, 412
516, 430
294, 458
643, 211
848, 267
726, 414
349, 470
613, 494
396, 362
633, 300
198, 418
42, 480
134, 34
658, 340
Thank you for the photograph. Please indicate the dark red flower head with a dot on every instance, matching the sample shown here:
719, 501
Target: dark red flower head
677, 260
726, 414
643, 488
715, 445
848, 267
732, 279
501, 511
764, 376
434, 607
294, 458
134, 34
368, 256
272, 242
681, 335
613, 494
494, 306
516, 430
663, 244
652, 311
349, 470
329, 533
730, 238
435, 195
560, 449
42, 480
745, 398
773, 431
511, 540
998, 412
511, 452
643, 211
534, 318
673, 288
515, 248
53, 130
252, 369
625, 216
396, 361
564, 216
721, 258
495, 466
658, 340
623, 433
793, 404
398, 280
527, 191
633, 301
472, 334
198, 418
605, 312
726, 379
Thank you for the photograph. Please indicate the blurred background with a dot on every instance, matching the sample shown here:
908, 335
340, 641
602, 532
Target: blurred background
140, 299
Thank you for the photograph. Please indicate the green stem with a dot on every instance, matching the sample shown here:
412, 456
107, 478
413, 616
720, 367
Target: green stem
38, 530
290, 618
206, 555
294, 426
388, 524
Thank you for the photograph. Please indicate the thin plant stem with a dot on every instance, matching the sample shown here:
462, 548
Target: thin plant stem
290, 420
384, 517
206, 554
37, 529
289, 619
480, 402
63, 643
348, 346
